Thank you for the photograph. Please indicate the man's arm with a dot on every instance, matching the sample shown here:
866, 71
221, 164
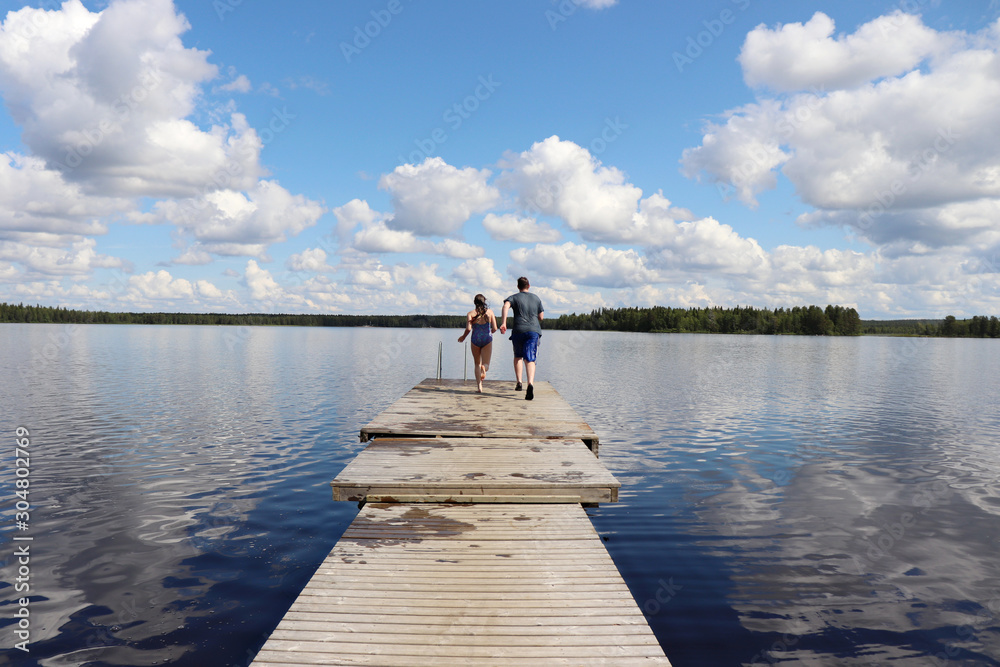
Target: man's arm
503, 317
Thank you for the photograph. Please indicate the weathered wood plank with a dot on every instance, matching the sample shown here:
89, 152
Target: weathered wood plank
457, 468
433, 596
453, 408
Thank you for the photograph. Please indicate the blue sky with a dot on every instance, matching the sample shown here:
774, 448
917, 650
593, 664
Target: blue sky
399, 156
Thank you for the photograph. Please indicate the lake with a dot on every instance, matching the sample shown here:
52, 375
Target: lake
793, 500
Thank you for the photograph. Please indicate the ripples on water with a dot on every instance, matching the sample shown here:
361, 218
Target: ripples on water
801, 500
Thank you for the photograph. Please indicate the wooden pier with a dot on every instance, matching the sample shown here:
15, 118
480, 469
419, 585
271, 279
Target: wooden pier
472, 547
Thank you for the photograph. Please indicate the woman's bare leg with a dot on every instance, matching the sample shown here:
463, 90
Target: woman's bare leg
486, 355
476, 363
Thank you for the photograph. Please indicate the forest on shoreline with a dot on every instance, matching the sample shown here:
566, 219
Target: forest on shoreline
798, 320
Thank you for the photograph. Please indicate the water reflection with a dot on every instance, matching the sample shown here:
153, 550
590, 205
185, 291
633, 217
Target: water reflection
844, 498
813, 501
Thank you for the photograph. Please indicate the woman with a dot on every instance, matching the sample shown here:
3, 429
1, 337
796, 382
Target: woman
482, 324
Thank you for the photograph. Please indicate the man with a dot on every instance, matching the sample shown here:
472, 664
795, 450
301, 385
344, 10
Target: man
527, 329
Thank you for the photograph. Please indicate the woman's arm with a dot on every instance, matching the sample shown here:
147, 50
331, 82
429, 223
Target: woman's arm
468, 326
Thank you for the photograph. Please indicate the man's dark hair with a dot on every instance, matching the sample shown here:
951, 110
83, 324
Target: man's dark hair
522, 283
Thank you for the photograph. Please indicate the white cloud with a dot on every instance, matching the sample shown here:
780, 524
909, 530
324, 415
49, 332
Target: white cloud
377, 237
478, 274
353, 213
707, 245
912, 161
226, 222
240, 84
509, 227
562, 179
159, 285
267, 293
423, 278
105, 96
79, 259
435, 198
36, 202
798, 56
312, 259
147, 289
605, 267
193, 256
742, 154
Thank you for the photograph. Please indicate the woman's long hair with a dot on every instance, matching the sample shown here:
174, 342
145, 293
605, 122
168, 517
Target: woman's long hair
480, 302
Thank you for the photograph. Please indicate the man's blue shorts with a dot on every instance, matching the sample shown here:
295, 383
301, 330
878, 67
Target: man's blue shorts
525, 344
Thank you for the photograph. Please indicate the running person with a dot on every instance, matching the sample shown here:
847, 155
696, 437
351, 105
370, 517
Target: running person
528, 315
481, 323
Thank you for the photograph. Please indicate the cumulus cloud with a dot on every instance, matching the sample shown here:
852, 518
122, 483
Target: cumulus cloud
240, 84
435, 198
798, 56
104, 97
37, 203
708, 245
904, 153
478, 273
423, 278
227, 222
353, 213
378, 237
79, 259
313, 259
266, 292
605, 267
560, 178
510, 227
146, 289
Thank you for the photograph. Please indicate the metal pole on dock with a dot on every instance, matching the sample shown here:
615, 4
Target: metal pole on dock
440, 350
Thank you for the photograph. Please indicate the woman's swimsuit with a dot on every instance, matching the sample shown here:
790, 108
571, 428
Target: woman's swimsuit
481, 335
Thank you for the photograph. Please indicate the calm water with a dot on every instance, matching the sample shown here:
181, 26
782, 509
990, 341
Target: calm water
784, 500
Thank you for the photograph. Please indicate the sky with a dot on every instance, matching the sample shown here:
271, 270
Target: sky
400, 156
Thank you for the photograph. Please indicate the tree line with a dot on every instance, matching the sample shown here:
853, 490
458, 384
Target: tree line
23, 313
808, 320
801, 320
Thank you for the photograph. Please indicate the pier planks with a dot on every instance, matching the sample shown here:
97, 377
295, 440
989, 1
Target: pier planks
453, 408
445, 584
480, 554
476, 470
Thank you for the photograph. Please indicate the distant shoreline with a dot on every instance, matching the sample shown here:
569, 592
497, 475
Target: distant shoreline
798, 320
